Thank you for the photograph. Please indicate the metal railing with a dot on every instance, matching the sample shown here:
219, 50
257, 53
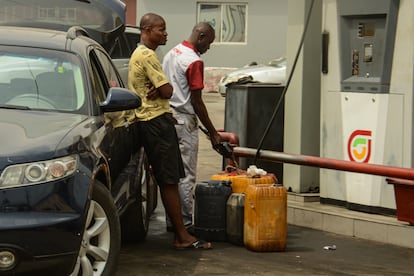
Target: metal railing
327, 163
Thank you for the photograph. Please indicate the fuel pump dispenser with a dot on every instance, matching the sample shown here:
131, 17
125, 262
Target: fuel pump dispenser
362, 116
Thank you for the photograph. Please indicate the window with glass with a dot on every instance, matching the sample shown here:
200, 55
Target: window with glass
228, 20
32, 78
109, 69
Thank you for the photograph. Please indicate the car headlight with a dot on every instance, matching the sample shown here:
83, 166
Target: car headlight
38, 172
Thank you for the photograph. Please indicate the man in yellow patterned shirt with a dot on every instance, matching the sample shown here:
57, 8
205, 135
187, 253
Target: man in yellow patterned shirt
157, 126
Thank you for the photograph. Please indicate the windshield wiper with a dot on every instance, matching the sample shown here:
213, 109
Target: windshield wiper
18, 107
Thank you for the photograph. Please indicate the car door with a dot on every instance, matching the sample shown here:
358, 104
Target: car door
118, 145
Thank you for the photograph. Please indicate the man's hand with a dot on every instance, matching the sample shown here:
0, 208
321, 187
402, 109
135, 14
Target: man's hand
152, 93
215, 139
221, 147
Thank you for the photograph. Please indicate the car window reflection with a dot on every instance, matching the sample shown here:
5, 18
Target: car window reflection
46, 81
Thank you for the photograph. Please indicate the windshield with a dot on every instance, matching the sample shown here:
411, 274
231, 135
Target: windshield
41, 79
103, 19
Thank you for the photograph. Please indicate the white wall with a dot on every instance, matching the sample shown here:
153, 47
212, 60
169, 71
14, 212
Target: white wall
266, 30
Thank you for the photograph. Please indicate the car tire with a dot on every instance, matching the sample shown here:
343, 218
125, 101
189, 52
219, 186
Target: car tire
101, 240
135, 220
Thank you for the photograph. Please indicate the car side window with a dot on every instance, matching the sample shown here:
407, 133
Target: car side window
133, 39
112, 78
120, 48
99, 89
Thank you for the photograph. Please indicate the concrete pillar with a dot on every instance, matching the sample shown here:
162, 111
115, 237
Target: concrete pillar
302, 101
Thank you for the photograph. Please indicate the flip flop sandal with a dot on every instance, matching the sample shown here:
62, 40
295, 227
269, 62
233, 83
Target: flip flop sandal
198, 244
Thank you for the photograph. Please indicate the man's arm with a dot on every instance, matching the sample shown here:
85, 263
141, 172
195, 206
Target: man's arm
201, 111
164, 91
157, 77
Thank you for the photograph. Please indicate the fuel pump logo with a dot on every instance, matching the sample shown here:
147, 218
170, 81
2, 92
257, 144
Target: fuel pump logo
359, 146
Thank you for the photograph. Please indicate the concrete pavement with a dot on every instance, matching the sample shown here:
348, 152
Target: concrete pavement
305, 209
311, 227
305, 255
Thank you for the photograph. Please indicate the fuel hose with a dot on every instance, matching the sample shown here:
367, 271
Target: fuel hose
281, 99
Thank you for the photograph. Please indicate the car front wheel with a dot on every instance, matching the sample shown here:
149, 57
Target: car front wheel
101, 239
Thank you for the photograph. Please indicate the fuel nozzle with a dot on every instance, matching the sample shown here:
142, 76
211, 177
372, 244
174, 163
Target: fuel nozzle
224, 149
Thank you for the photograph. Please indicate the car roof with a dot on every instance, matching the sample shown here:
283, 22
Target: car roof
32, 37
45, 38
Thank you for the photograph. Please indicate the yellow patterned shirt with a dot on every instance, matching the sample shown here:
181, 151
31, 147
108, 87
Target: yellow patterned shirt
120, 118
144, 71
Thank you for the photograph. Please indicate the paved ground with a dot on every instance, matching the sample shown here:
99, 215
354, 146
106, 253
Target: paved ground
305, 253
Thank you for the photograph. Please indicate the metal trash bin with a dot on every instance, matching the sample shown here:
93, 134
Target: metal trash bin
248, 110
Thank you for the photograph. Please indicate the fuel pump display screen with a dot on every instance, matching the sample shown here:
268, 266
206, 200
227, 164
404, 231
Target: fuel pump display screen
368, 52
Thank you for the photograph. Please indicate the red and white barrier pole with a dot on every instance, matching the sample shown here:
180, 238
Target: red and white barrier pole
327, 163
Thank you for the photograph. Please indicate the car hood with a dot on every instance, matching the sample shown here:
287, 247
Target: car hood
255, 69
103, 19
255, 73
28, 135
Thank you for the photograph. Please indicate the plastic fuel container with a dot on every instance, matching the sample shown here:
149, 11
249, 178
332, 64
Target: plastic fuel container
265, 218
240, 179
235, 218
210, 209
239, 184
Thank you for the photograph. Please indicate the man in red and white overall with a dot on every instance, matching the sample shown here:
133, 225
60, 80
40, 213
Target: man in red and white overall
185, 70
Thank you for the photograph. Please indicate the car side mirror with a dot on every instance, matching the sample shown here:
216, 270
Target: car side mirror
119, 99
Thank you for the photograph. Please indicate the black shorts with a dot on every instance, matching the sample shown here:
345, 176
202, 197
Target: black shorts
160, 142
